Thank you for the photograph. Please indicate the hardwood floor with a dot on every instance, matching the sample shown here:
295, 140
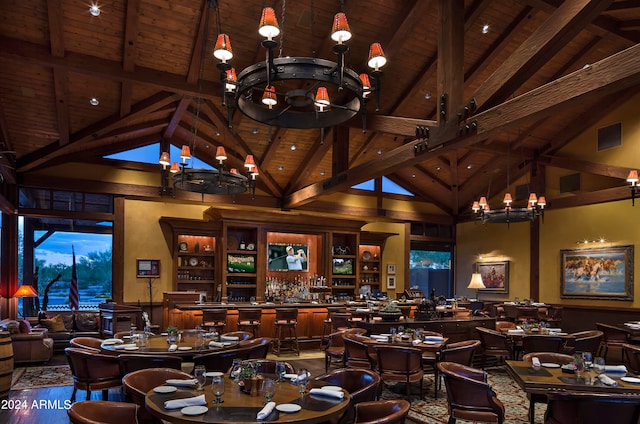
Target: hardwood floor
47, 405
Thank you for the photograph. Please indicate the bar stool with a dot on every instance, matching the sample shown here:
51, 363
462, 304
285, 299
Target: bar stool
327, 325
286, 323
214, 319
249, 320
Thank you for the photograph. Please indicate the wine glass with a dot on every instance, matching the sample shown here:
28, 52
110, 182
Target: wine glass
280, 371
578, 361
234, 371
217, 388
302, 380
268, 389
598, 365
587, 360
199, 373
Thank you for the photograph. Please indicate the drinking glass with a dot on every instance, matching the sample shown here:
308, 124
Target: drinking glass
578, 361
268, 389
587, 360
401, 329
303, 380
217, 388
598, 365
280, 371
234, 371
198, 373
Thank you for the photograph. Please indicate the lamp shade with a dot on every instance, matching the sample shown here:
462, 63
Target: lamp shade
222, 51
185, 153
542, 202
249, 162
231, 80
476, 282
175, 168
507, 199
269, 96
632, 177
475, 207
340, 31
366, 82
377, 58
533, 199
268, 24
25, 290
322, 99
221, 154
165, 160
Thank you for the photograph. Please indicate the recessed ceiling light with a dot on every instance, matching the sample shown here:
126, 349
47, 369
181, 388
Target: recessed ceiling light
379, 151
322, 172
293, 147
217, 133
413, 175
485, 28
254, 131
280, 168
94, 101
470, 166
94, 10
427, 96
438, 168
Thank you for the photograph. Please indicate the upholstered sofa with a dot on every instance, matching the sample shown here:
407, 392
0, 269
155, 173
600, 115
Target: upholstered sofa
62, 326
29, 345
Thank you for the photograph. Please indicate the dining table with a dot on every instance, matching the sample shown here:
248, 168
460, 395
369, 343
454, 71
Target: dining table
242, 408
550, 377
186, 347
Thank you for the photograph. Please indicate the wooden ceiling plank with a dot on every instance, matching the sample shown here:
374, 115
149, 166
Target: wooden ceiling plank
130, 48
314, 155
548, 39
451, 57
61, 90
419, 192
606, 170
176, 117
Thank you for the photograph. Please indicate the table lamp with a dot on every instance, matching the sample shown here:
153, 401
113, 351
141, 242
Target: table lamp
476, 282
25, 290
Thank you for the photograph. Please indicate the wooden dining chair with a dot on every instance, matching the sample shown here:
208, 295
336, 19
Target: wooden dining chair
584, 341
543, 357
361, 384
494, 344
460, 353
543, 343
400, 364
612, 337
358, 354
103, 412
382, 412
93, 371
130, 362
631, 355
591, 408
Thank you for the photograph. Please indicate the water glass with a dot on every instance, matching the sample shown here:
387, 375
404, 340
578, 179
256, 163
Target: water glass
234, 371
303, 380
199, 373
578, 361
598, 365
401, 329
280, 371
217, 388
587, 360
268, 389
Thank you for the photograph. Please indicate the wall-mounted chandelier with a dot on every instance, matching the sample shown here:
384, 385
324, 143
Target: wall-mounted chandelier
271, 91
507, 214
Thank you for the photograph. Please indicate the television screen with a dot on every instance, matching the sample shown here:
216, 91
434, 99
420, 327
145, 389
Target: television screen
241, 263
281, 260
342, 266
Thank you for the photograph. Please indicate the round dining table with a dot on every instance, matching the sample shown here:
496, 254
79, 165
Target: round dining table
241, 408
187, 347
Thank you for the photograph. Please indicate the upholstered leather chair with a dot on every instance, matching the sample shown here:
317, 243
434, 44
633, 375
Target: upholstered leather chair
550, 357
553, 317
357, 352
334, 349
249, 320
221, 360
494, 344
340, 321
400, 364
631, 355
214, 319
102, 412
241, 335
93, 371
382, 412
469, 396
505, 325
138, 383
612, 337
362, 385
543, 343
135, 362
259, 348
268, 366
584, 341
591, 408
86, 343
460, 353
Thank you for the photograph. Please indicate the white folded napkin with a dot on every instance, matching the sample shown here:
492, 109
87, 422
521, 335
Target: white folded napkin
606, 380
229, 338
111, 341
178, 382
515, 331
173, 348
380, 338
266, 411
216, 344
554, 330
416, 342
124, 346
363, 310
615, 368
434, 338
536, 362
181, 403
338, 394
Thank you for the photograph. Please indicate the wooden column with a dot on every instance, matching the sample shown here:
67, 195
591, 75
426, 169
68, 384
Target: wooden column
537, 186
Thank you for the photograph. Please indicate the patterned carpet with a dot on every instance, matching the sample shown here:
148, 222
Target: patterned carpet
434, 411
38, 377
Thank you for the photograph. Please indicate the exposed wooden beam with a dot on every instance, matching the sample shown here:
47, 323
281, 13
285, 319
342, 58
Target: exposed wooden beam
585, 166
130, 47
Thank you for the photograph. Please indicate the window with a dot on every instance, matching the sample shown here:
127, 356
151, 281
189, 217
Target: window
430, 268
151, 154
388, 186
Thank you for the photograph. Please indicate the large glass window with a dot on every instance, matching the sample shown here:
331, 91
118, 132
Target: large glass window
430, 268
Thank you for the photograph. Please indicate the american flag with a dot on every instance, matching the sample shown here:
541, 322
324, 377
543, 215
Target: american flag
74, 297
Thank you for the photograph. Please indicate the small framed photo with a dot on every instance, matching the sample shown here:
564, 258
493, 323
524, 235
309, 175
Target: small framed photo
391, 268
391, 282
148, 268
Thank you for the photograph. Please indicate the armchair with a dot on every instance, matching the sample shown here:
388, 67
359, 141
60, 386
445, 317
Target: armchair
31, 345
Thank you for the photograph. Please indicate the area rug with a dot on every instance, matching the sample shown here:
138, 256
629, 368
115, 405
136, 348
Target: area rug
39, 377
434, 411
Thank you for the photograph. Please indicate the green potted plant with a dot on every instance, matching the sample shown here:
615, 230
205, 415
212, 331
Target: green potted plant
390, 312
249, 380
172, 334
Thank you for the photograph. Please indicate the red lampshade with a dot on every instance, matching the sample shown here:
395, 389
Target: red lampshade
175, 168
483, 202
340, 31
366, 83
221, 154
542, 202
231, 79
165, 160
533, 199
25, 290
185, 153
322, 99
269, 97
268, 24
507, 199
632, 177
377, 58
249, 162
476, 206
222, 50
233, 171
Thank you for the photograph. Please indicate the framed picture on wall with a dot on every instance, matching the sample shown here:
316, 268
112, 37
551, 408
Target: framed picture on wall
495, 276
281, 259
598, 273
391, 282
148, 268
391, 268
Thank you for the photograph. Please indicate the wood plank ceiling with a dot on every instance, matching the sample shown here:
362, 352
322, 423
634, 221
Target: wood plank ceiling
543, 71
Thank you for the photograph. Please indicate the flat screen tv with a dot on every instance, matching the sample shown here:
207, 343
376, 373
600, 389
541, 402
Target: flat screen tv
241, 263
278, 258
342, 266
